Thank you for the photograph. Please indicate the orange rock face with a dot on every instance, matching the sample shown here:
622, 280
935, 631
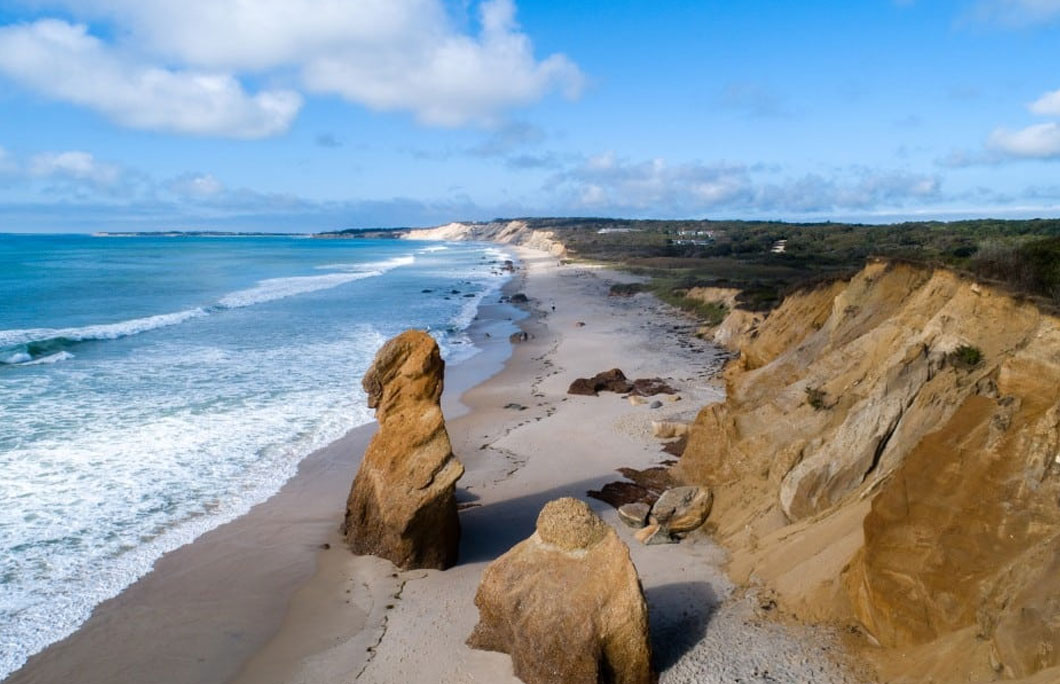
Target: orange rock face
869, 475
401, 505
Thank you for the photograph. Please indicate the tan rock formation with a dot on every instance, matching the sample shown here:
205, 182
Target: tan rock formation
736, 328
864, 474
681, 510
677, 511
566, 604
402, 506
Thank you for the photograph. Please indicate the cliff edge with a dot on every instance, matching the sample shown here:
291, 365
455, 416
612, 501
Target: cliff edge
503, 232
888, 457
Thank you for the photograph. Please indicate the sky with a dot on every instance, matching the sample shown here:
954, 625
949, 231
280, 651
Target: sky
309, 115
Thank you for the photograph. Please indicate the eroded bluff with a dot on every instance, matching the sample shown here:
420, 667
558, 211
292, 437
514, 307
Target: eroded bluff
889, 453
402, 503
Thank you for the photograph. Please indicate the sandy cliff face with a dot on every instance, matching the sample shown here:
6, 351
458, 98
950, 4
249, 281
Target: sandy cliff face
504, 232
868, 474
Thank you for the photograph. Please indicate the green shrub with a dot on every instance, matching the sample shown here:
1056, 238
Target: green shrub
1031, 266
966, 356
709, 313
817, 398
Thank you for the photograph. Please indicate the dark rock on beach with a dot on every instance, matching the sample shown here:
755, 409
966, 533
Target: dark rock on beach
613, 380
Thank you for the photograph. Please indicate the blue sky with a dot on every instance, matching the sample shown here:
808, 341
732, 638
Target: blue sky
322, 114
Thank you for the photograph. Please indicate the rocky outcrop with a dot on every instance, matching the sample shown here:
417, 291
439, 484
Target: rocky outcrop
401, 506
674, 514
504, 232
566, 604
614, 380
649, 387
868, 475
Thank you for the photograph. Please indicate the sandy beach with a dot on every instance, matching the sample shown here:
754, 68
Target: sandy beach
525, 442
276, 597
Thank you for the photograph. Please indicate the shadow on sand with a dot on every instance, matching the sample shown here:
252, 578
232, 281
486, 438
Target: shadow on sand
679, 612
679, 615
489, 530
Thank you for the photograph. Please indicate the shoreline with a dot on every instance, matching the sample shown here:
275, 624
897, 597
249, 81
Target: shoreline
333, 616
198, 610
525, 442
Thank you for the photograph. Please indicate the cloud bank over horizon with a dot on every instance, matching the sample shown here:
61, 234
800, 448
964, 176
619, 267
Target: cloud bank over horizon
340, 113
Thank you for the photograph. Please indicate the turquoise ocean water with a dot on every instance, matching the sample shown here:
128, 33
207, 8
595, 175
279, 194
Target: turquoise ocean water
152, 388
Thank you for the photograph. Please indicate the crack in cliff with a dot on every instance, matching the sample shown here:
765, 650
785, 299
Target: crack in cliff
881, 445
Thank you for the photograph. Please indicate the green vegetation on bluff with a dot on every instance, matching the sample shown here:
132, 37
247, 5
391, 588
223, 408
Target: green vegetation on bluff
766, 259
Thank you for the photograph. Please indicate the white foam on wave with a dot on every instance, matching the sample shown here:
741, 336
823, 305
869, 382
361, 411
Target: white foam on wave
107, 331
383, 266
264, 291
280, 288
145, 471
143, 481
435, 248
456, 343
51, 358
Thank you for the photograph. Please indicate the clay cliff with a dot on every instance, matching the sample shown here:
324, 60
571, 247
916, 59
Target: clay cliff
504, 232
888, 457
402, 503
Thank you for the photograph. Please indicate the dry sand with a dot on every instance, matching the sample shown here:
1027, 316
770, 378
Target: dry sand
525, 442
258, 601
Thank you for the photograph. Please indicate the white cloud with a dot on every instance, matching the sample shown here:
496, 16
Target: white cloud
406, 55
1041, 141
1047, 105
604, 180
1017, 12
447, 79
659, 188
196, 185
73, 165
64, 62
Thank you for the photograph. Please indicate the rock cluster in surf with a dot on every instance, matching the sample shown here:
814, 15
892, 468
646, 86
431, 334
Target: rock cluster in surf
402, 504
566, 603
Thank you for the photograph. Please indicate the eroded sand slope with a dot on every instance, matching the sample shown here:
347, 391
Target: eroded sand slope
870, 476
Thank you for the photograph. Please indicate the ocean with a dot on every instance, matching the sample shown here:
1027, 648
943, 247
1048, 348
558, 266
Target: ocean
152, 388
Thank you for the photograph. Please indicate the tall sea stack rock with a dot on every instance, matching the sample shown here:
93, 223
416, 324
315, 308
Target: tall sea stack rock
401, 506
566, 604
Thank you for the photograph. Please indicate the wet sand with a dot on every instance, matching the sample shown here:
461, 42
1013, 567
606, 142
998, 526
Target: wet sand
209, 606
523, 443
259, 601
